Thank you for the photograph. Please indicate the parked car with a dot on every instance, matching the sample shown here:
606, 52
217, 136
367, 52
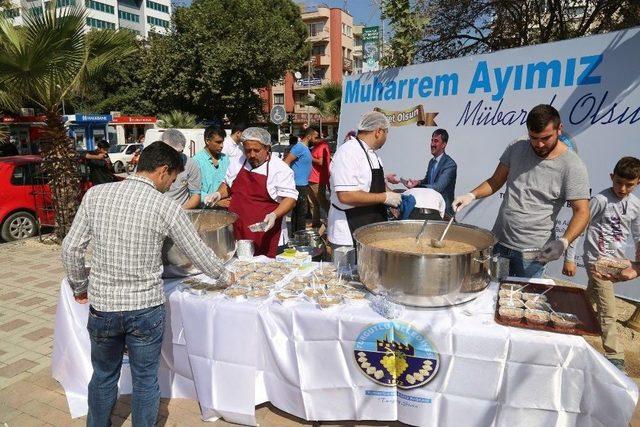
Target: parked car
121, 154
25, 196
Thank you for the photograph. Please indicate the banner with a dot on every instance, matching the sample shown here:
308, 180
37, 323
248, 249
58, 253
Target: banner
483, 103
410, 115
370, 49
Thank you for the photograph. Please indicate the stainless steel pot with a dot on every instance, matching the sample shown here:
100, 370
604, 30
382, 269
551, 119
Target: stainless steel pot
429, 280
215, 228
309, 238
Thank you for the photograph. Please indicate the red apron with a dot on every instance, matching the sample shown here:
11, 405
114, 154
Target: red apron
251, 202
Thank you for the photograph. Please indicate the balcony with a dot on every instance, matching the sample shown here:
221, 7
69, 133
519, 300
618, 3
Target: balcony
320, 36
347, 64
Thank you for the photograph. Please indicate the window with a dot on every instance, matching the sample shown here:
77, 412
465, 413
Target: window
96, 5
36, 10
318, 49
278, 98
128, 16
63, 3
315, 28
300, 97
157, 22
346, 30
157, 6
102, 25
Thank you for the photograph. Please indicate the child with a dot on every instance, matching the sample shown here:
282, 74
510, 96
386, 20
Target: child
615, 213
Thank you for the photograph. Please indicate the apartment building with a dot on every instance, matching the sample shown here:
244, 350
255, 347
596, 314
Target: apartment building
140, 16
331, 57
357, 49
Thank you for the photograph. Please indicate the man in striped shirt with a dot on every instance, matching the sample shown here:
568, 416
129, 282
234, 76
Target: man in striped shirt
127, 223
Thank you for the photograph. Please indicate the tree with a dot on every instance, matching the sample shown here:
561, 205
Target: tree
326, 99
177, 119
220, 52
42, 62
407, 22
464, 27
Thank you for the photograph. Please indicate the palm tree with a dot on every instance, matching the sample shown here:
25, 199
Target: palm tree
42, 62
326, 100
177, 119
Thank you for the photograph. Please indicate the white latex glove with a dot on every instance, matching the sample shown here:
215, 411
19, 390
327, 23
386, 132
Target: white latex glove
410, 183
270, 219
553, 250
393, 199
392, 179
462, 201
212, 198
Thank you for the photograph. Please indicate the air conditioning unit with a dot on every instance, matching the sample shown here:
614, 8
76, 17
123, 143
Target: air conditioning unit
27, 112
115, 114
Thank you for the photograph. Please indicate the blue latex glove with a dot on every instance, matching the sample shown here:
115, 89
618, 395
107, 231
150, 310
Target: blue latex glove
407, 205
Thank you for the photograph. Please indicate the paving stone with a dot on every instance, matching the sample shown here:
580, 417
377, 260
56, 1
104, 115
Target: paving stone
16, 368
26, 420
39, 334
31, 301
13, 325
10, 295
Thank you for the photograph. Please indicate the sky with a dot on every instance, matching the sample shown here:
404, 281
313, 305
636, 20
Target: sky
365, 12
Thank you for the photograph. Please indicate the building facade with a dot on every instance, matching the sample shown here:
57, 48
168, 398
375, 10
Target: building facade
140, 16
331, 57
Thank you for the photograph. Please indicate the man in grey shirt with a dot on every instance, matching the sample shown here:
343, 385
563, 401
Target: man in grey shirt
186, 189
541, 175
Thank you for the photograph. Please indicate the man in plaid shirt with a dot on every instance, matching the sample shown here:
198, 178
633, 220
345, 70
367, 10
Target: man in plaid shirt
127, 222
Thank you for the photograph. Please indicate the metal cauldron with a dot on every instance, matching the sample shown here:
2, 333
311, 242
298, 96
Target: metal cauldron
215, 228
424, 280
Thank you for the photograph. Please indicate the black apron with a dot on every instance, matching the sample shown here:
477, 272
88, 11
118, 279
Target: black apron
360, 216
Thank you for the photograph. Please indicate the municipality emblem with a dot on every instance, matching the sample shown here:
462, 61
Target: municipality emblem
395, 354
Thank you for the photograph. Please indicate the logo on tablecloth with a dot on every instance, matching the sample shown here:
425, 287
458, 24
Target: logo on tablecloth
395, 354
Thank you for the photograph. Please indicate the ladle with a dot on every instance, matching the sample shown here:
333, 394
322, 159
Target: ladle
439, 243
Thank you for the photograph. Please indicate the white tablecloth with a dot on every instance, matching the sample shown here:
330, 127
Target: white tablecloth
301, 359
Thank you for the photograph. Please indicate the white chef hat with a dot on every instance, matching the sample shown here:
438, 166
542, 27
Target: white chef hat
373, 120
256, 134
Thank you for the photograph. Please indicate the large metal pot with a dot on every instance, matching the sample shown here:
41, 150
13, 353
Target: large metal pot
311, 239
215, 228
424, 280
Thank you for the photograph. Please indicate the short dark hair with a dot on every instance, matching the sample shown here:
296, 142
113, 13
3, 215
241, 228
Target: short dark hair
442, 133
103, 144
211, 131
627, 168
158, 154
293, 139
310, 130
238, 127
540, 116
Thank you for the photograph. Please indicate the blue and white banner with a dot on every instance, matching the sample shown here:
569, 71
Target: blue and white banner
483, 102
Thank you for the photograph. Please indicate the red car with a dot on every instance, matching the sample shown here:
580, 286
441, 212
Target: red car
25, 198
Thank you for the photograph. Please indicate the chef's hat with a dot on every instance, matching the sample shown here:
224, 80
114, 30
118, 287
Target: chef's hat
373, 120
256, 134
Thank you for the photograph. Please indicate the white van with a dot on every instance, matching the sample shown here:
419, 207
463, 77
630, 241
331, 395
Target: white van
195, 139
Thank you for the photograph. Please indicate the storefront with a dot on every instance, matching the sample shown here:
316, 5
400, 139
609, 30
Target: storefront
25, 132
88, 129
129, 129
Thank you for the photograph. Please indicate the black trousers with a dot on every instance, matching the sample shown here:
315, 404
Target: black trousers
299, 213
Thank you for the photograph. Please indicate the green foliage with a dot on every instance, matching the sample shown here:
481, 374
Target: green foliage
220, 52
177, 119
464, 27
408, 22
327, 99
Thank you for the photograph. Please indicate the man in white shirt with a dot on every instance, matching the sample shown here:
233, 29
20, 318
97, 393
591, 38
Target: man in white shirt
232, 144
262, 190
359, 193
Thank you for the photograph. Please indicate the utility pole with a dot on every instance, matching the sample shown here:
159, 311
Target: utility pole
309, 89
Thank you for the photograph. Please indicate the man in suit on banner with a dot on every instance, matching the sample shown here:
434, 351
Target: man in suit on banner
441, 171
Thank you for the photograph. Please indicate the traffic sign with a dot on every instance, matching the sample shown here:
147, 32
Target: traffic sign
278, 114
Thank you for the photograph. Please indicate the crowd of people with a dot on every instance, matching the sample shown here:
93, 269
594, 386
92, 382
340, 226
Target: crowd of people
540, 174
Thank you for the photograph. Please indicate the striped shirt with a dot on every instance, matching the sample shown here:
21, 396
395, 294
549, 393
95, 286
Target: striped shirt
127, 223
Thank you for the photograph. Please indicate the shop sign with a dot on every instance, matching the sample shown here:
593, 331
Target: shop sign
134, 120
395, 354
370, 49
24, 119
86, 118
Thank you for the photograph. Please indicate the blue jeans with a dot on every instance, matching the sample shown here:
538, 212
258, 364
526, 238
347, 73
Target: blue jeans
518, 266
141, 331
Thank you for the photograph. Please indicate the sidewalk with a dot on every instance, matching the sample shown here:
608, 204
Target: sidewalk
31, 273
